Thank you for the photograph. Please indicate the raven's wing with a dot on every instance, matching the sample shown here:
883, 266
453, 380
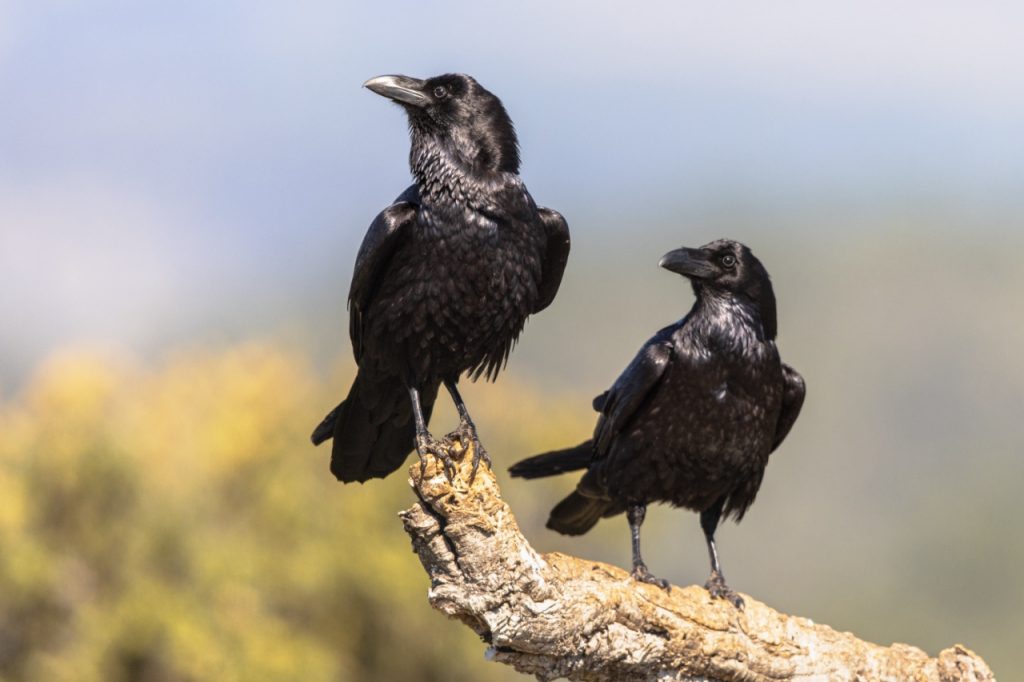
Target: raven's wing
630, 390
386, 232
792, 400
556, 253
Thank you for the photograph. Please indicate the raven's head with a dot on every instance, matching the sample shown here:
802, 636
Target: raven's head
457, 113
729, 268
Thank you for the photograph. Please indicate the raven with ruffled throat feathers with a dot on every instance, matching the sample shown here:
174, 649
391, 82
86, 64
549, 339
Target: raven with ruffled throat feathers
445, 277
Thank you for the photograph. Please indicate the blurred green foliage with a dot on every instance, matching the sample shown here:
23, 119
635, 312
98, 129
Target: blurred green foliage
176, 525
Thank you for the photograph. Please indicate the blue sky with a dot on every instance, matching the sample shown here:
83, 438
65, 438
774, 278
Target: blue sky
169, 167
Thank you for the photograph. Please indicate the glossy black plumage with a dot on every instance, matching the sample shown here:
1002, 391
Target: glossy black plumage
445, 278
693, 418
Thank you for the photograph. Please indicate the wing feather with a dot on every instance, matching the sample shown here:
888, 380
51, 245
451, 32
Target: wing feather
556, 254
792, 400
386, 232
636, 383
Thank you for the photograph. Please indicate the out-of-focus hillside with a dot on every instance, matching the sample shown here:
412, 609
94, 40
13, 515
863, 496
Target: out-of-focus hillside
176, 525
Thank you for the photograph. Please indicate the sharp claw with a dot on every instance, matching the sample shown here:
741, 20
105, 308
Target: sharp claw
466, 433
717, 588
426, 445
640, 573
478, 454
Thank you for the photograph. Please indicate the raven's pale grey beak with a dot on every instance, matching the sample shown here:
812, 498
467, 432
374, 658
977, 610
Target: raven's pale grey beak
693, 263
401, 89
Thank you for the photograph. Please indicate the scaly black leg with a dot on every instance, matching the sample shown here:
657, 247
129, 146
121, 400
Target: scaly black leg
425, 443
635, 514
467, 430
716, 581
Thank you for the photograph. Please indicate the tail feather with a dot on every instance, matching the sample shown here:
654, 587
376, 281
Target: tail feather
325, 429
577, 514
555, 462
373, 428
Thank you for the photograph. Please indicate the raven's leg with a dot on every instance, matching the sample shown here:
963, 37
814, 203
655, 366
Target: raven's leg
425, 443
467, 429
716, 581
635, 514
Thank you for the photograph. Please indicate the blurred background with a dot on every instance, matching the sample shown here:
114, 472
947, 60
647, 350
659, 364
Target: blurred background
183, 188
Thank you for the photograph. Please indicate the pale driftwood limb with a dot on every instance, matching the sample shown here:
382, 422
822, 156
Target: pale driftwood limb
554, 615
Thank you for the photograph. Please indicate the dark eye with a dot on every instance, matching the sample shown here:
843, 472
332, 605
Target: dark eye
440, 92
728, 260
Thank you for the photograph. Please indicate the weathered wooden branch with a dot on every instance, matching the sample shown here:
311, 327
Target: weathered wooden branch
555, 616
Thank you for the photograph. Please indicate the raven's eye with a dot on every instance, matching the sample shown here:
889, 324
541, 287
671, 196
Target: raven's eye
440, 92
728, 260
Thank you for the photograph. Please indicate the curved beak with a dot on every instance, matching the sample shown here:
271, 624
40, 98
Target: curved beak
401, 89
693, 263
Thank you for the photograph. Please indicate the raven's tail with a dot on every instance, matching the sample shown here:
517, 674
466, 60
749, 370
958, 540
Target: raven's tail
577, 514
555, 462
373, 428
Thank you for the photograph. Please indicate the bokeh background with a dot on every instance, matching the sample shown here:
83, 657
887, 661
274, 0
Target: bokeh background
183, 187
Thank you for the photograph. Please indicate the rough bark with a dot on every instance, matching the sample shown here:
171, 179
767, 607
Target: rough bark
554, 616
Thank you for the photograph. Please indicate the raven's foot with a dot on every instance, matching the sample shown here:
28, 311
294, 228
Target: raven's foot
466, 433
719, 590
428, 445
641, 574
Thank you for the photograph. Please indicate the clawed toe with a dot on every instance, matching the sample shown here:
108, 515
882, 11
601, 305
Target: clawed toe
466, 433
719, 590
427, 445
479, 453
642, 574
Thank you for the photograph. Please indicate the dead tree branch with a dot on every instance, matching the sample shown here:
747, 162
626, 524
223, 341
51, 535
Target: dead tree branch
556, 616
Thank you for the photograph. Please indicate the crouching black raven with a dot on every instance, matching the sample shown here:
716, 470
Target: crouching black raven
692, 420
445, 277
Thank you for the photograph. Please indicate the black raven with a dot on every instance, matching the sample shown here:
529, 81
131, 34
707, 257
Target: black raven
693, 418
445, 277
